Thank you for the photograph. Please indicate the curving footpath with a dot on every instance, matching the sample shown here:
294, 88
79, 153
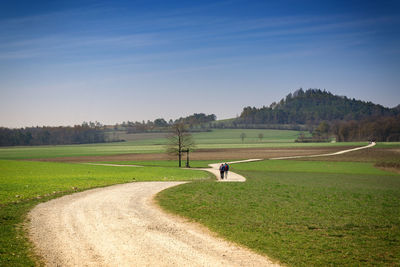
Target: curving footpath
121, 226
232, 176
329, 154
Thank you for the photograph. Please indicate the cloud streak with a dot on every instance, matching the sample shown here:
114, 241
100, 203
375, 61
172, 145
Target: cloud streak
229, 44
180, 34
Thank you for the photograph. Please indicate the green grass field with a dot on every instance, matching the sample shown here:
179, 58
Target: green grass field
232, 136
28, 179
388, 145
318, 213
25, 184
77, 150
221, 136
301, 213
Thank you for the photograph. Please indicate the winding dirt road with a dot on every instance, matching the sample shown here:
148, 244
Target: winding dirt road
121, 226
328, 154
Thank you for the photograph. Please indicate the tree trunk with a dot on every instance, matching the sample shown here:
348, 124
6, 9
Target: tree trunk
180, 149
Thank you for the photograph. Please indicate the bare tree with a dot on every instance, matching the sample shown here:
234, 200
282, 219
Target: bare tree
243, 136
260, 136
179, 141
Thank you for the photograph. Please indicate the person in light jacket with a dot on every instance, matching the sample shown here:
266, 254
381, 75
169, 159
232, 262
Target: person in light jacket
226, 169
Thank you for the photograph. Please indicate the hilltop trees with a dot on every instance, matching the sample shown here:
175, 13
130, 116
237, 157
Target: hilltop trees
312, 107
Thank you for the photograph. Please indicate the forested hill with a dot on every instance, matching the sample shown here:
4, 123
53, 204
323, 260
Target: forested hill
311, 107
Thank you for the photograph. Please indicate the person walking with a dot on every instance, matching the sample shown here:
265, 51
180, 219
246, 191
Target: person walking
226, 169
222, 170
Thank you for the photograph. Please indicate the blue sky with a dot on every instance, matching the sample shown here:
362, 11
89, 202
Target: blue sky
65, 62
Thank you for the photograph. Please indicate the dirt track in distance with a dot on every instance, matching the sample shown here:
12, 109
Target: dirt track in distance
209, 154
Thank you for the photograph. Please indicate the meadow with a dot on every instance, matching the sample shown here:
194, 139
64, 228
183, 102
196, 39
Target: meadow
220, 136
216, 139
27, 179
302, 213
24, 184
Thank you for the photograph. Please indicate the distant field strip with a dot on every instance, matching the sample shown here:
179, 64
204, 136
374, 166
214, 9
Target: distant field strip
152, 143
49, 152
112, 165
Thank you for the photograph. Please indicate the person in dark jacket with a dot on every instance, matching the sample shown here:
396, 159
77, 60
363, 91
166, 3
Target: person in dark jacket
222, 170
226, 169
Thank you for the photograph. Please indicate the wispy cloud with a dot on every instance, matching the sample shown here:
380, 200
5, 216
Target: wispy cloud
178, 30
171, 37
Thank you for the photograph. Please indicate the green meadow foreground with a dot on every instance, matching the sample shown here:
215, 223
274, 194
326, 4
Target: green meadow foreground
25, 184
24, 180
303, 213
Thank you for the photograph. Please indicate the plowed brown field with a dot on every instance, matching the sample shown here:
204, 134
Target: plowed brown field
208, 154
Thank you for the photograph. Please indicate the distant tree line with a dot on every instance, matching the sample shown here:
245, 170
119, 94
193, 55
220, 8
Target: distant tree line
95, 132
237, 125
311, 107
197, 118
80, 134
380, 129
197, 121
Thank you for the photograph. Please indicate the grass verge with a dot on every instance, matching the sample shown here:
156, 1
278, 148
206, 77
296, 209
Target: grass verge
15, 248
29, 179
320, 217
25, 184
217, 139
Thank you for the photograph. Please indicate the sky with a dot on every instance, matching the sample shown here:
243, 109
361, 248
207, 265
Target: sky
66, 62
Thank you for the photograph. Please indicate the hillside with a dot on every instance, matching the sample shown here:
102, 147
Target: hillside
311, 107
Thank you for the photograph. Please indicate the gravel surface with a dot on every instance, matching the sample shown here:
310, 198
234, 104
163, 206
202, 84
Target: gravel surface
328, 154
232, 176
121, 226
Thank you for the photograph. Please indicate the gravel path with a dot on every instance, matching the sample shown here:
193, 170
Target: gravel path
232, 176
121, 226
328, 154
